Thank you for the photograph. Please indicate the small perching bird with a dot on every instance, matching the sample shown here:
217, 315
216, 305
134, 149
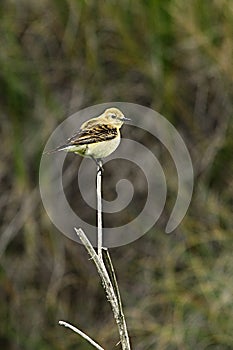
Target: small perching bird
98, 137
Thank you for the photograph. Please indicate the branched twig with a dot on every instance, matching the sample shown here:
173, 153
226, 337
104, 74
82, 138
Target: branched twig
85, 336
108, 277
111, 295
111, 271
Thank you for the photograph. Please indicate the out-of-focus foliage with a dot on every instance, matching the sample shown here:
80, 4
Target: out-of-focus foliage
175, 56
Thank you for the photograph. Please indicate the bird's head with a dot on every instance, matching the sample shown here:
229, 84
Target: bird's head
114, 116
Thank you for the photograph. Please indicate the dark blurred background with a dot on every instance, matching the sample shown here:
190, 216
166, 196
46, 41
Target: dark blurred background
175, 56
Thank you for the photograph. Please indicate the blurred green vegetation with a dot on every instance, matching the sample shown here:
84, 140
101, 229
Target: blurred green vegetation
175, 56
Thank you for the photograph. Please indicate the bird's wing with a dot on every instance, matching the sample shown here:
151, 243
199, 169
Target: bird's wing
93, 134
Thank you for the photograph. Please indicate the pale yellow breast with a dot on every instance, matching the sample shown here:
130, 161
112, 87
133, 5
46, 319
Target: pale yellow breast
103, 149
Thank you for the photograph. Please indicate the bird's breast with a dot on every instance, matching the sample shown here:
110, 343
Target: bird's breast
104, 148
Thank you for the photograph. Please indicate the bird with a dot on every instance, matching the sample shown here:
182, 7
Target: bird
97, 138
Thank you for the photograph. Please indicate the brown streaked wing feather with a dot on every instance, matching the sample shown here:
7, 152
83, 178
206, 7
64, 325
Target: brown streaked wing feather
98, 133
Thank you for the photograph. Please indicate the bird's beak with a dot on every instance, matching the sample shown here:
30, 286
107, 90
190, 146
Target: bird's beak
124, 119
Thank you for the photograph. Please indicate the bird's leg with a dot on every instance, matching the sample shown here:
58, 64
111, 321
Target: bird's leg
99, 164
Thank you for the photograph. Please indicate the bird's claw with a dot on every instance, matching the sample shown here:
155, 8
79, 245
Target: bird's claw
100, 168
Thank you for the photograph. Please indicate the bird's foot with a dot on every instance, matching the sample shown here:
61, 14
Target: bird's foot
100, 166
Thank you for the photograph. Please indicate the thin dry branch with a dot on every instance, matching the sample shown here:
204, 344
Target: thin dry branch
84, 335
108, 278
109, 289
99, 209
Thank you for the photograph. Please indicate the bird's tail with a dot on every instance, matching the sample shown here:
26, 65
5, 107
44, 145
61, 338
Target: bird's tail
57, 149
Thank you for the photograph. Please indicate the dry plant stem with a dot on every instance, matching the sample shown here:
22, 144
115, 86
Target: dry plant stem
110, 292
85, 336
111, 270
99, 209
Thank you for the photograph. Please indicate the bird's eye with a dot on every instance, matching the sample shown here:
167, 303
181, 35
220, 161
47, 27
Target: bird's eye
113, 116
